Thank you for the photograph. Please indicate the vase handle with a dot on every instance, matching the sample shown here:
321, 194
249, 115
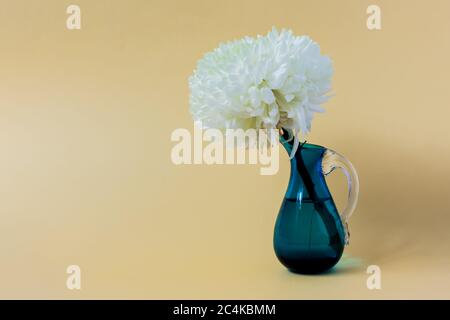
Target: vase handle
332, 160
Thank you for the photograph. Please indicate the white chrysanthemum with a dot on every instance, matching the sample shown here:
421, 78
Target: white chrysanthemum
274, 81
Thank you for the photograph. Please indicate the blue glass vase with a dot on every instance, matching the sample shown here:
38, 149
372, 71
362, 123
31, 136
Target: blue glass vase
310, 234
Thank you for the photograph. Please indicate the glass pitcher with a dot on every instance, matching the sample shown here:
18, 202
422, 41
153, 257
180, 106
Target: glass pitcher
310, 234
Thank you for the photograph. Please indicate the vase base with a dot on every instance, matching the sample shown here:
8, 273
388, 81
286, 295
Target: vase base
309, 266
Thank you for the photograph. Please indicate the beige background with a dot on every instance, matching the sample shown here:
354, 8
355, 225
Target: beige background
85, 170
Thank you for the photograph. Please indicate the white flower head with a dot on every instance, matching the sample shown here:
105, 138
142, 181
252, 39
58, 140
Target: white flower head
275, 81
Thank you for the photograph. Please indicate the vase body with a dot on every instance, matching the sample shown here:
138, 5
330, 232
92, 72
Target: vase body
310, 234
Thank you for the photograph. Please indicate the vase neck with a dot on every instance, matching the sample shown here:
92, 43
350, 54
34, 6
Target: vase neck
307, 182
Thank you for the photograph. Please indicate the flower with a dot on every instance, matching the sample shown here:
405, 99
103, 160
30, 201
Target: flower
275, 81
